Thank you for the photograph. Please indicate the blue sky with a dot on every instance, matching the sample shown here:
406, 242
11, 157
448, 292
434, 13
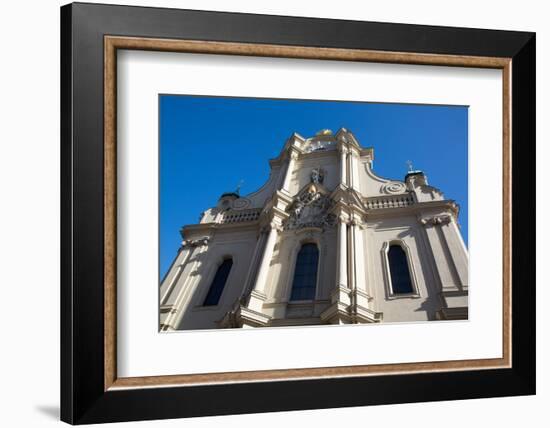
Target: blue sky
209, 144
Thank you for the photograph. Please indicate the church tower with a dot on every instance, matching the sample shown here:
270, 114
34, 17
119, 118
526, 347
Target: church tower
324, 241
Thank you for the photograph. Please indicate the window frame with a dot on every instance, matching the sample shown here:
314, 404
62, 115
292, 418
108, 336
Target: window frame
290, 285
204, 294
390, 293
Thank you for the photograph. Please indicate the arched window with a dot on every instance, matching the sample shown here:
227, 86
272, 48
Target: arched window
305, 273
399, 270
218, 283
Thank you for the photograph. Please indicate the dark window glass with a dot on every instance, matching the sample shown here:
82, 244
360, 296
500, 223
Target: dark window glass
216, 288
399, 270
305, 274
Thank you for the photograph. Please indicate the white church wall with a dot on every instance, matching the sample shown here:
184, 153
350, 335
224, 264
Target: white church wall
258, 197
169, 281
421, 305
328, 161
371, 184
235, 244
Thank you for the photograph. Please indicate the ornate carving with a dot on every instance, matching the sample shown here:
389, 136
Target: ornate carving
241, 203
271, 225
356, 222
319, 143
393, 187
342, 218
195, 242
276, 225
310, 209
437, 219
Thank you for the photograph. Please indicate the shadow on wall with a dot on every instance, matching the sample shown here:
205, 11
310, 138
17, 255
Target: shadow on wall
427, 273
50, 411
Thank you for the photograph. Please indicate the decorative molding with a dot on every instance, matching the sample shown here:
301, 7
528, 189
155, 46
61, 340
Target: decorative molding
241, 203
195, 242
436, 219
342, 218
276, 225
167, 309
393, 187
340, 313
383, 202
342, 149
242, 316
240, 215
294, 154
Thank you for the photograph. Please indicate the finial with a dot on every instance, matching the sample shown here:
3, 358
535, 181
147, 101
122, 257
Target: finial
410, 164
238, 189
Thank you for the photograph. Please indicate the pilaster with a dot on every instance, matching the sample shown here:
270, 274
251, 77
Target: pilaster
257, 295
354, 163
293, 155
454, 291
343, 154
176, 295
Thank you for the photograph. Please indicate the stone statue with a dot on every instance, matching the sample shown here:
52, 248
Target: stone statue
317, 175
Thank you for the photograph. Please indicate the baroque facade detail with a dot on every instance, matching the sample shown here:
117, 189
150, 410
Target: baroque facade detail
437, 219
378, 250
310, 209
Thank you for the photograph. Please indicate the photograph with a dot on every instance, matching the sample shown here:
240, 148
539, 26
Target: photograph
294, 212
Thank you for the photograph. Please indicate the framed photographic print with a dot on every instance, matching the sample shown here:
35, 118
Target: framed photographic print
266, 213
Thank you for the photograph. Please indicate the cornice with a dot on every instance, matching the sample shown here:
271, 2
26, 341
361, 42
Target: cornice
213, 227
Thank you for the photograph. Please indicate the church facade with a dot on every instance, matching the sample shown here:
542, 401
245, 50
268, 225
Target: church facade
324, 241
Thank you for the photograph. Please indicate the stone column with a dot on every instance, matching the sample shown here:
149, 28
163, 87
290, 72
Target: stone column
290, 168
360, 292
354, 169
350, 169
340, 295
342, 254
351, 270
351, 256
257, 296
343, 151
357, 231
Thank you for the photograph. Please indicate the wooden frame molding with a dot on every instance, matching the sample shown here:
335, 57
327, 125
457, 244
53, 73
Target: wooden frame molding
113, 43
